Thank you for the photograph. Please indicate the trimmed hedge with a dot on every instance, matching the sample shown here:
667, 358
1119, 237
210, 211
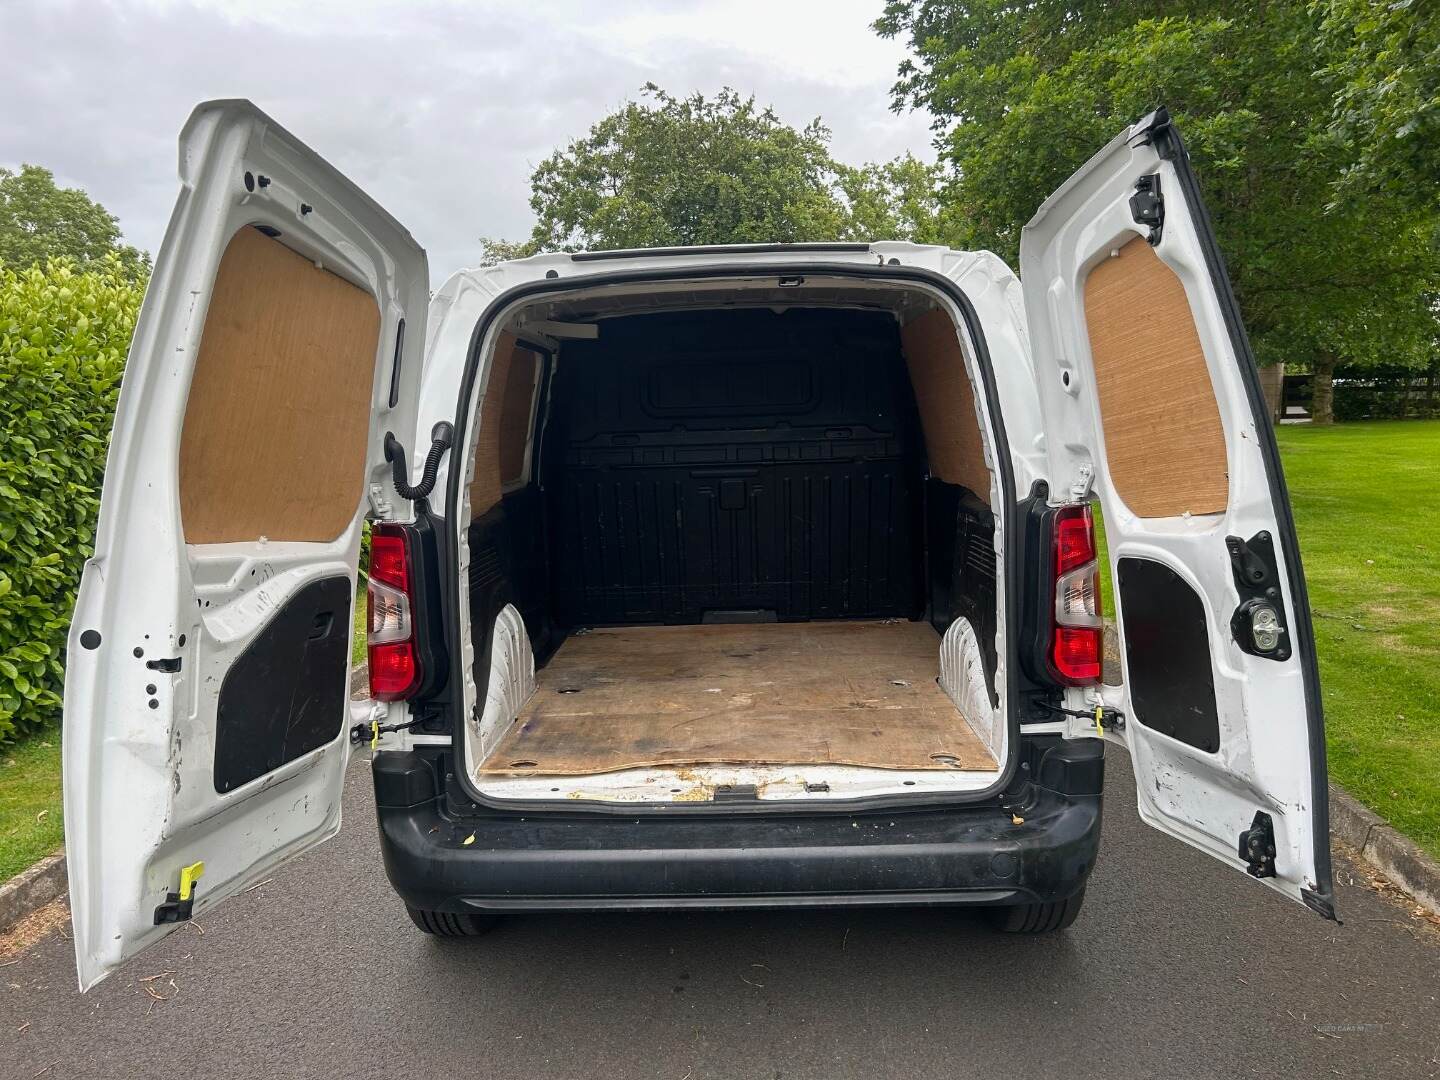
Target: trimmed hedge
64, 335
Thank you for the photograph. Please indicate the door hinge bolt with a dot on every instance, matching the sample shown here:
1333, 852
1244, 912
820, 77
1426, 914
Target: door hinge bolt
1257, 846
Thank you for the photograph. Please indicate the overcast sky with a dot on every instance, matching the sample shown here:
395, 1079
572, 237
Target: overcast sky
439, 110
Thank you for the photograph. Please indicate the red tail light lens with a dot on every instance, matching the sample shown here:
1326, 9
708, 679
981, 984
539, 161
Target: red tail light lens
389, 599
390, 556
1077, 635
1076, 655
1074, 538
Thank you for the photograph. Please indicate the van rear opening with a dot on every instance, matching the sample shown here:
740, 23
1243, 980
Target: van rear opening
731, 551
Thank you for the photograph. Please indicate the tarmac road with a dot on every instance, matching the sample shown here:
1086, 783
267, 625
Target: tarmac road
1176, 967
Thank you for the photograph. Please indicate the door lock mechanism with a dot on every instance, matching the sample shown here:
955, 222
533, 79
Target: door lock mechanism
1259, 625
1266, 633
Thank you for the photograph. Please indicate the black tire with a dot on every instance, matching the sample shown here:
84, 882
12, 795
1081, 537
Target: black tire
1038, 918
446, 924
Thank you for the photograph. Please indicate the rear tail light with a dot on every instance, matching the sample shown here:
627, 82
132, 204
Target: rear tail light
1077, 633
390, 601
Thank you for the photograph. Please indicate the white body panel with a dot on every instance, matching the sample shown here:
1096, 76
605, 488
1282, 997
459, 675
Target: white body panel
140, 798
1267, 728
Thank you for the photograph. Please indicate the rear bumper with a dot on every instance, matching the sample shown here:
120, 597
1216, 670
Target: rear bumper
1040, 846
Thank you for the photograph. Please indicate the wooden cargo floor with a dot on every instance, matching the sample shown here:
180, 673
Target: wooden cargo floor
852, 693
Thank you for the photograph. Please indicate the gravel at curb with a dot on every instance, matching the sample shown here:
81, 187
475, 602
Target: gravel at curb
32, 889
1397, 857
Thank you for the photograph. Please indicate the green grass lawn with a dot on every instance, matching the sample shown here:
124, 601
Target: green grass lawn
31, 825
1369, 526
358, 654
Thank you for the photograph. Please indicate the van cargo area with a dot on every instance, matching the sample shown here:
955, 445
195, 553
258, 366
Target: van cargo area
742, 550
821, 693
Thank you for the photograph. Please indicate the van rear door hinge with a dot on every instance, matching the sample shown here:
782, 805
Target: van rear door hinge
1257, 846
1147, 205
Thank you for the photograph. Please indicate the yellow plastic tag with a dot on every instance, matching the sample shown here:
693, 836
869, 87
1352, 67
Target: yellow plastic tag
374, 734
188, 876
1099, 727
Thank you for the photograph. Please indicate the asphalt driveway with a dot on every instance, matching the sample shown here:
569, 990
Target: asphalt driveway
1177, 967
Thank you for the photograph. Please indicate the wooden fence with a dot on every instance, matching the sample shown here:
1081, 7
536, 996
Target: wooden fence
1370, 395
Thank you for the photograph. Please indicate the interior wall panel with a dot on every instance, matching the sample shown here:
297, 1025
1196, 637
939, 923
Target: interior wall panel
946, 401
485, 488
515, 413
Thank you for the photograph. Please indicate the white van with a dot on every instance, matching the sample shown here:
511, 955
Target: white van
732, 576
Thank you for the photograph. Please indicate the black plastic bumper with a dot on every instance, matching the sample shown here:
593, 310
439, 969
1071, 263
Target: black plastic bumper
1039, 846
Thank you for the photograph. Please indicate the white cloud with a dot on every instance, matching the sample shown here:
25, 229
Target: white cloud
440, 110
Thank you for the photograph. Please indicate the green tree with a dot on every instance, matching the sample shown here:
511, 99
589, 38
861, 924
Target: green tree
893, 200
64, 334
494, 251
1025, 93
668, 171
1386, 56
40, 220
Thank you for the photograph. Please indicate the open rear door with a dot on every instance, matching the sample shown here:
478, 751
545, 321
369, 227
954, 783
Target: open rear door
207, 689
1151, 395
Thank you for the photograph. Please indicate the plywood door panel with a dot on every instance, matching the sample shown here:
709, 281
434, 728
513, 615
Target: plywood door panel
856, 693
946, 400
1164, 442
276, 425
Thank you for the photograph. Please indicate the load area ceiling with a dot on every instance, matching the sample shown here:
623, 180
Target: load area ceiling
822, 693
709, 463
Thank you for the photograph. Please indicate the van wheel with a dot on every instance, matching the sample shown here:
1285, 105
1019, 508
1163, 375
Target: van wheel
447, 924
1037, 918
